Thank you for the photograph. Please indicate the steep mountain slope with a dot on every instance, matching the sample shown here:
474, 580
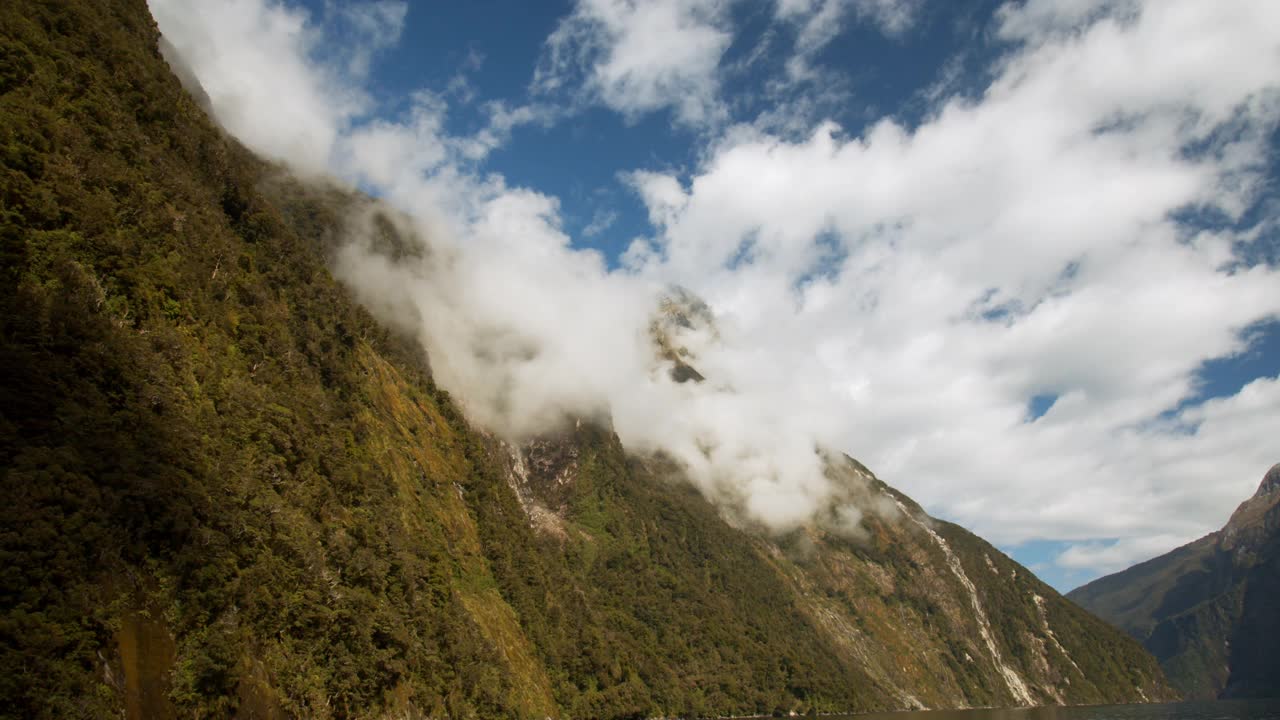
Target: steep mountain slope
230, 492
930, 614
1209, 609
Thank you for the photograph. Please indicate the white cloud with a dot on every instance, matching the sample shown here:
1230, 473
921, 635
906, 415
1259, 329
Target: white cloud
290, 86
367, 28
602, 220
251, 55
643, 57
638, 57
1044, 205
1039, 19
386, 153
818, 22
1116, 556
503, 119
899, 295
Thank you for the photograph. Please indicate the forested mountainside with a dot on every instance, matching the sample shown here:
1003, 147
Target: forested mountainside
229, 492
1209, 611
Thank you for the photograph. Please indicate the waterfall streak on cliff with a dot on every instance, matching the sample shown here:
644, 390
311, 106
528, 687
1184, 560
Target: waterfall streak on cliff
1015, 683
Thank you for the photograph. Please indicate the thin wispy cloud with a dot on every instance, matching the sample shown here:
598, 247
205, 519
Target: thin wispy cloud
638, 57
600, 222
818, 22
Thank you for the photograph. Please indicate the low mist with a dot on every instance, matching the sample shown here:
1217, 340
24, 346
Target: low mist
531, 334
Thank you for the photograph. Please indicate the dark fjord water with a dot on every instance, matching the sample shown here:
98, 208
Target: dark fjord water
1215, 710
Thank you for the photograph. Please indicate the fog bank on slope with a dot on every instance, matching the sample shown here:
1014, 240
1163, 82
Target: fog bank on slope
530, 334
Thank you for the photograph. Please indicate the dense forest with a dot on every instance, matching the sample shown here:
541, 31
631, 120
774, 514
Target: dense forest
228, 491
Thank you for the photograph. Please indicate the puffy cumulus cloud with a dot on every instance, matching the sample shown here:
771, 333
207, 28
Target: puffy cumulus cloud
901, 295
642, 57
1021, 244
251, 55
638, 57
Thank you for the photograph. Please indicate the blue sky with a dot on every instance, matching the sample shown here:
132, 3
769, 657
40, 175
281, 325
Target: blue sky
1018, 257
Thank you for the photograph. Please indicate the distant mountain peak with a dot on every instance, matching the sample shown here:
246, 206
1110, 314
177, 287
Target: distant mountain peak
681, 315
1252, 513
1270, 482
1207, 609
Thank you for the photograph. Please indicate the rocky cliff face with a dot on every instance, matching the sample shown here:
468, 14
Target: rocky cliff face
1208, 610
230, 492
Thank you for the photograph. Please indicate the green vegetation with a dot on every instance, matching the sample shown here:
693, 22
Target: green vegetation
677, 612
229, 492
